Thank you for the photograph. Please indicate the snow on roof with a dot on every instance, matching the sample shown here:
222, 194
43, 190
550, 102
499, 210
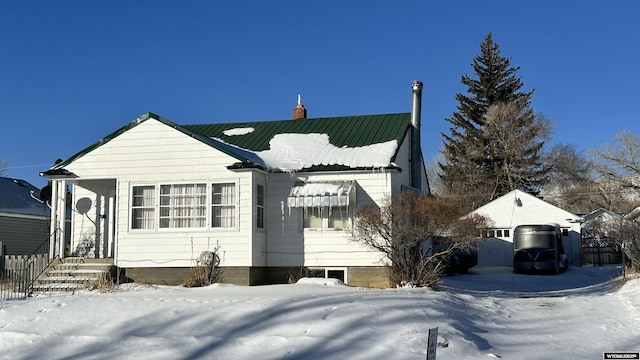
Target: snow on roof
16, 198
238, 131
292, 152
322, 188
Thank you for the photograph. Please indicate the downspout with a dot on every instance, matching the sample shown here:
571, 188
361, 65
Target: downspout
416, 159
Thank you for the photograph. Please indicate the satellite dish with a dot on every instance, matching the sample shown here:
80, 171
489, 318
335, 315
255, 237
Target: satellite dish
83, 205
45, 193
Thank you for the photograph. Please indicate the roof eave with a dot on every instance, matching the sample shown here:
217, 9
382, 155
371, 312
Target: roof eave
58, 174
315, 168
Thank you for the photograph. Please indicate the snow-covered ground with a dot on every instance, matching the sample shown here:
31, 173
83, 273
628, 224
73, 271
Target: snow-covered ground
490, 313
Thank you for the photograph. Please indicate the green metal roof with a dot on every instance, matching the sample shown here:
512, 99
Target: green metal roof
344, 131
349, 131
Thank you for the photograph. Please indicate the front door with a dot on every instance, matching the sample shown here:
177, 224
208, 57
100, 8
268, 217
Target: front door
105, 234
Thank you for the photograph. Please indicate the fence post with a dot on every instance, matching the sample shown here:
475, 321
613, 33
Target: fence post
1, 256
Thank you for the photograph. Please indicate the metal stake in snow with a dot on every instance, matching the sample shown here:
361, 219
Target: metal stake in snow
432, 344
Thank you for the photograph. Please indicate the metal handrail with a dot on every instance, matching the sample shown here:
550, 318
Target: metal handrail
42, 249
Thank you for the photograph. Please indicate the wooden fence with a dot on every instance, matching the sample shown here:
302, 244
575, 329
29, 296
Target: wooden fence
17, 273
600, 251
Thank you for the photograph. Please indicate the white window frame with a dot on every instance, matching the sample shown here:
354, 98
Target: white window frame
176, 204
343, 269
318, 270
233, 204
153, 207
208, 223
324, 218
260, 206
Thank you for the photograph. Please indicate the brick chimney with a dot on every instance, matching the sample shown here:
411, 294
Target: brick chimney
299, 112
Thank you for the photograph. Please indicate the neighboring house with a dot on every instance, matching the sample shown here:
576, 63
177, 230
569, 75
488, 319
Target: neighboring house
598, 222
599, 247
24, 218
519, 208
267, 197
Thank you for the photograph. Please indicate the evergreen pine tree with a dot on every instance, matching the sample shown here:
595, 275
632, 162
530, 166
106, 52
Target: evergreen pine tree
472, 167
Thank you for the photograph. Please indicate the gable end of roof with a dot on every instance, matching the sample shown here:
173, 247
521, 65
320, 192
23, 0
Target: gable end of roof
58, 169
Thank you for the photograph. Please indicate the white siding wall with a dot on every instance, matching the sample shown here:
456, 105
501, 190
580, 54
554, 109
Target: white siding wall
153, 153
259, 244
519, 208
290, 245
403, 162
402, 177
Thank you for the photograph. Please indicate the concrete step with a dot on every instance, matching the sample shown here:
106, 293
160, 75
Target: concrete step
68, 279
72, 274
82, 268
58, 287
80, 260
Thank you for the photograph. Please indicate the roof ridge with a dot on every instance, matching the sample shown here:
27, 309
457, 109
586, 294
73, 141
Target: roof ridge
298, 120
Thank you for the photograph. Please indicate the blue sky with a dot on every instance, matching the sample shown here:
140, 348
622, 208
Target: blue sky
71, 72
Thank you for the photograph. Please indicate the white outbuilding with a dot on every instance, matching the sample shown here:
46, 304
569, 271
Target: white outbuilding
520, 208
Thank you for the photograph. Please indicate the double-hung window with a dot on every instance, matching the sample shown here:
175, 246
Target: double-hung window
143, 207
223, 205
260, 207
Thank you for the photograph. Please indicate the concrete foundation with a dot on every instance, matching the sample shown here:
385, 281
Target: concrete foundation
372, 277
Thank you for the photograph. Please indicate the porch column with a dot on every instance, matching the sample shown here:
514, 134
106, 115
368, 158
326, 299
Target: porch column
62, 216
111, 224
53, 224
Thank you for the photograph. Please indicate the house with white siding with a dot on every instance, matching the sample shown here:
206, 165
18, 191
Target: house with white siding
268, 198
520, 208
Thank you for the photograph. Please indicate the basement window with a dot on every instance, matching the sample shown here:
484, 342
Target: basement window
339, 274
328, 273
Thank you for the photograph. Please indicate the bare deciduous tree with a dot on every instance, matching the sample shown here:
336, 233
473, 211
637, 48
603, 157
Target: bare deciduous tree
626, 234
616, 187
571, 180
416, 234
569, 167
620, 161
3, 167
517, 137
609, 177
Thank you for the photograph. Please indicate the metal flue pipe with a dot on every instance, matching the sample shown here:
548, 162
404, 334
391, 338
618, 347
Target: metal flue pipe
416, 157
